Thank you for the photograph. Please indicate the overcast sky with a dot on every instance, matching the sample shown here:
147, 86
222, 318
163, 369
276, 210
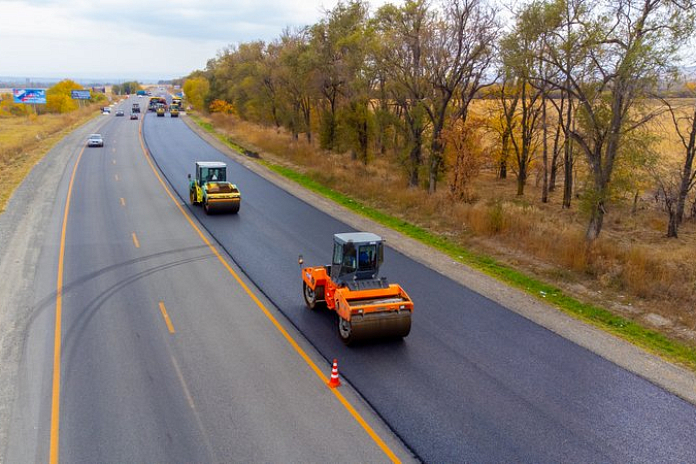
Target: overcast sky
131, 39
141, 39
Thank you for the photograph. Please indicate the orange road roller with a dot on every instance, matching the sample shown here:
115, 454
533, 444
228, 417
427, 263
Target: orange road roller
368, 307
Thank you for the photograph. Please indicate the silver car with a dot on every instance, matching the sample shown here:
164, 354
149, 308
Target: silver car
95, 140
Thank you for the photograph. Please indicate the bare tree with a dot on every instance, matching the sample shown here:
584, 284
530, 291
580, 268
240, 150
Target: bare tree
624, 46
458, 56
405, 32
685, 126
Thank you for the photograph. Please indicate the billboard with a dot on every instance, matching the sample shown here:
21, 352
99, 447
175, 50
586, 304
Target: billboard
30, 96
99, 89
80, 94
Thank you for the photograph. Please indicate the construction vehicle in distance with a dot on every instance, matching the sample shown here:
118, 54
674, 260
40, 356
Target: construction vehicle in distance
211, 189
160, 111
367, 306
155, 102
174, 111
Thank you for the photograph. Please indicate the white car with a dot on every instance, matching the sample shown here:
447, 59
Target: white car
95, 140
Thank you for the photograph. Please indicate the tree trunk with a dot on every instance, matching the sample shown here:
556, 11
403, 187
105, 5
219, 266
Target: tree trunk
634, 209
673, 225
685, 180
545, 186
363, 139
521, 179
415, 161
554, 160
596, 221
436, 150
332, 123
434, 169
504, 153
568, 163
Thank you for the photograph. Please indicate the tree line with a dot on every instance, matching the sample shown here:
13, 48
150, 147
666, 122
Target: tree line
566, 81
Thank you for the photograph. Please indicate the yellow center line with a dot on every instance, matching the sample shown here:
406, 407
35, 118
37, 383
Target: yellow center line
116, 177
170, 326
135, 240
55, 397
123, 202
356, 415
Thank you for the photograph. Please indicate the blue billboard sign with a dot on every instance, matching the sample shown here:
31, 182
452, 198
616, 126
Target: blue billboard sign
80, 94
29, 96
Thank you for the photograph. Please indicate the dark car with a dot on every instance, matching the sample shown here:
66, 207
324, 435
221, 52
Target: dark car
120, 113
134, 115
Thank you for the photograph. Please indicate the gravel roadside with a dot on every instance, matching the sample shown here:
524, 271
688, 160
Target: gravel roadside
670, 377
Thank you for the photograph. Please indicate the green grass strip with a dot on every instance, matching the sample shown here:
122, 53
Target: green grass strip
648, 339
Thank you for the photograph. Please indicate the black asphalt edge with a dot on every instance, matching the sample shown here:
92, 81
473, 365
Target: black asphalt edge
266, 296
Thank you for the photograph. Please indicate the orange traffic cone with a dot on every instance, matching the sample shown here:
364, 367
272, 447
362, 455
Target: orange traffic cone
334, 381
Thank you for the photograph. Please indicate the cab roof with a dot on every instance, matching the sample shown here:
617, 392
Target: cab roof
211, 164
357, 237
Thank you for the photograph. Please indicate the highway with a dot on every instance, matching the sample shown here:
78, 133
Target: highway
166, 357
166, 353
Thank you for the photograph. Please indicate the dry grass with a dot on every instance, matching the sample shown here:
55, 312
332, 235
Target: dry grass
632, 269
24, 140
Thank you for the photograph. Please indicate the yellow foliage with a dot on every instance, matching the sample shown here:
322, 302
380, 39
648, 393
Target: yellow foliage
221, 106
8, 108
196, 91
58, 97
464, 151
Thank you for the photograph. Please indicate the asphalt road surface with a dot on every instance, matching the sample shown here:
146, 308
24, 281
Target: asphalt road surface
473, 381
165, 356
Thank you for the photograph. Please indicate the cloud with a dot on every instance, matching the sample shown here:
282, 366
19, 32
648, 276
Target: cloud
169, 38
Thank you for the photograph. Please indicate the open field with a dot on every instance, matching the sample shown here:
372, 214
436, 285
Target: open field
632, 270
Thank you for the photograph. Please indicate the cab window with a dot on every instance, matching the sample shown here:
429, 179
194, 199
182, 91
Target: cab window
338, 254
350, 262
367, 257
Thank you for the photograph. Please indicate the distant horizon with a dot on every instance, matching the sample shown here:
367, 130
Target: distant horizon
115, 78
145, 78
84, 79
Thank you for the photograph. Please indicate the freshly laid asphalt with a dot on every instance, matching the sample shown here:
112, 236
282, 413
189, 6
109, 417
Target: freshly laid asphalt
220, 383
473, 382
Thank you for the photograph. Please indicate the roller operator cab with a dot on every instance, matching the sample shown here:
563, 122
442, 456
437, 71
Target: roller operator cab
367, 305
211, 188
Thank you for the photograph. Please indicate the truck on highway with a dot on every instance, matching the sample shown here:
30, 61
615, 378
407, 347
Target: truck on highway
136, 108
155, 102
